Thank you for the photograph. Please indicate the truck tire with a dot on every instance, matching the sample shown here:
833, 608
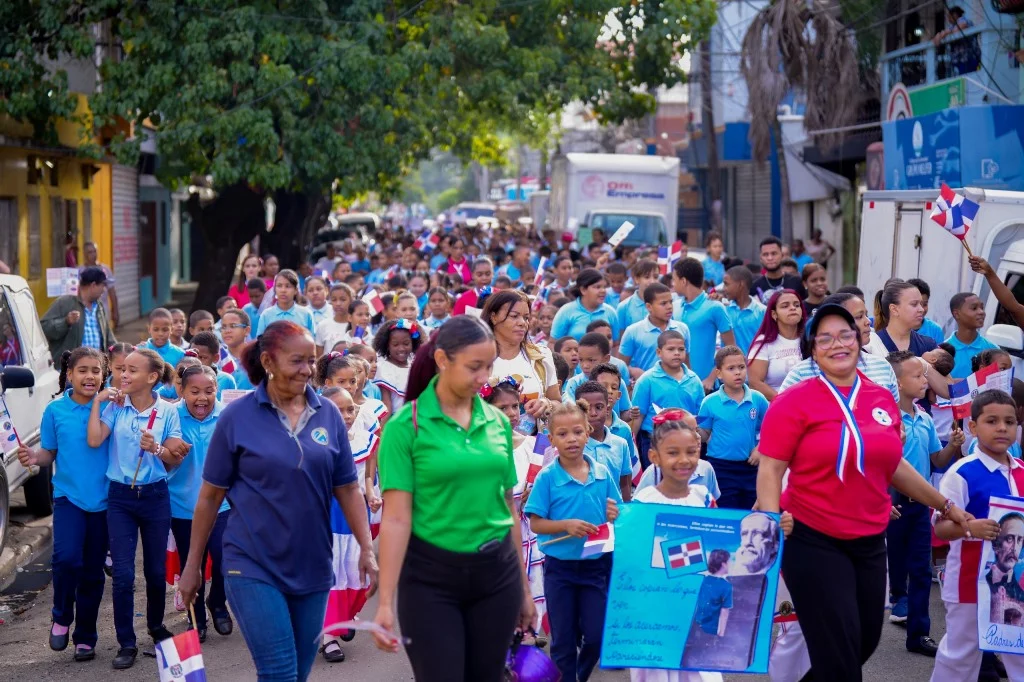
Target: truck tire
39, 492
5, 507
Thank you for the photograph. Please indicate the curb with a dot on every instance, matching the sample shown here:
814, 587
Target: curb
36, 535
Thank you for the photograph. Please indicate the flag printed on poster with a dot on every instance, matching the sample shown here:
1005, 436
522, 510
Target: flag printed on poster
668, 255
963, 392
427, 242
954, 212
372, 299
601, 542
180, 659
684, 556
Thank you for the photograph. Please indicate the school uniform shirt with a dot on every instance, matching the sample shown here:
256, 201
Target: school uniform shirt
921, 441
572, 320
631, 310
254, 318
703, 476
558, 496
611, 451
241, 377
613, 298
325, 312
803, 427
714, 271
185, 480
298, 314
78, 474
657, 387
932, 330
706, 319
622, 430
225, 382
371, 414
577, 380
970, 483
126, 425
876, 369
965, 352
734, 426
432, 323
393, 379
745, 321
450, 470
329, 333
371, 390
782, 355
170, 353
640, 341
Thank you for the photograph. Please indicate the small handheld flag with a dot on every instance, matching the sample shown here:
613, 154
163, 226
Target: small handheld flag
227, 363
427, 242
372, 299
8, 434
537, 458
601, 542
955, 213
668, 255
138, 465
963, 392
180, 658
538, 279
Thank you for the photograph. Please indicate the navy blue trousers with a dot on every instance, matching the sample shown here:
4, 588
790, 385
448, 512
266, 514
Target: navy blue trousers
908, 544
79, 551
577, 593
182, 531
146, 511
738, 482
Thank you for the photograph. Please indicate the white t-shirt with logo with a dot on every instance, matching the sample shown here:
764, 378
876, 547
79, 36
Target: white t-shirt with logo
782, 355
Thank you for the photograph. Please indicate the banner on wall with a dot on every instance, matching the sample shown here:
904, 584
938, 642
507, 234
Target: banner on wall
923, 152
1000, 575
692, 589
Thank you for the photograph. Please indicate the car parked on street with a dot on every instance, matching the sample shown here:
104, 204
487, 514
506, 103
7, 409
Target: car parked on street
23, 345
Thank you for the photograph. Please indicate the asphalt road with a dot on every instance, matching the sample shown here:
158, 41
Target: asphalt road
25, 656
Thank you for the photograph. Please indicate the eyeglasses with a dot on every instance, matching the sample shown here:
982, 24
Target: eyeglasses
844, 338
237, 325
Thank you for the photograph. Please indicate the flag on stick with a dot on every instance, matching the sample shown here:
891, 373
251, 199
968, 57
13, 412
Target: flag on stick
138, 465
955, 213
668, 255
180, 658
601, 542
372, 299
963, 392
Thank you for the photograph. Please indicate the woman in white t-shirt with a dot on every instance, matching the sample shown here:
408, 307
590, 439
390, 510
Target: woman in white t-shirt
507, 313
776, 346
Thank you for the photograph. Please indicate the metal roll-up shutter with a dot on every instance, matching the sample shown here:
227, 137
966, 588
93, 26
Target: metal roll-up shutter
125, 211
753, 196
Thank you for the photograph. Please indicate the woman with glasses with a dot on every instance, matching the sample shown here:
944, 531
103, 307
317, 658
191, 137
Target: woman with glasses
839, 435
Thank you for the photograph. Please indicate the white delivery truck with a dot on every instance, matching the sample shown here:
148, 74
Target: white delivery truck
606, 190
899, 239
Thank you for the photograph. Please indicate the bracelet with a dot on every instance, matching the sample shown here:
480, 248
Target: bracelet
944, 512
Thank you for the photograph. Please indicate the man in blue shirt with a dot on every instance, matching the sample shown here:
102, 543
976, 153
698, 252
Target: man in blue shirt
706, 319
639, 345
969, 314
745, 311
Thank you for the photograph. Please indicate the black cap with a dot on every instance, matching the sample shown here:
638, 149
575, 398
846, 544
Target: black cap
92, 275
824, 311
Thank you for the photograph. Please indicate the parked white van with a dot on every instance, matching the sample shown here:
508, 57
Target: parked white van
23, 345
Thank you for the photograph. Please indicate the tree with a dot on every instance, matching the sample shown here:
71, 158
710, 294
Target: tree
791, 46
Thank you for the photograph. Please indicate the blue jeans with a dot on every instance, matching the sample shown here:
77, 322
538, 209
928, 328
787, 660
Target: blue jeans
279, 629
79, 551
182, 531
144, 511
908, 544
576, 593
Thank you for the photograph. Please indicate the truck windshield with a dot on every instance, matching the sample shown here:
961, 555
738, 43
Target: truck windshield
473, 212
649, 229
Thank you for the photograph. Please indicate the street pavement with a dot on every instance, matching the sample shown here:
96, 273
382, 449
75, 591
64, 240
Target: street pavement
25, 656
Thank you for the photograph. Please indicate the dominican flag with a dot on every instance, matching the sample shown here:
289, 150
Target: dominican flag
372, 299
684, 556
537, 458
668, 255
637, 470
963, 392
427, 242
601, 542
538, 279
227, 363
180, 659
954, 212
8, 434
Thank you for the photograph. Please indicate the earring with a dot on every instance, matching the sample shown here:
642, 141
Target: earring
270, 376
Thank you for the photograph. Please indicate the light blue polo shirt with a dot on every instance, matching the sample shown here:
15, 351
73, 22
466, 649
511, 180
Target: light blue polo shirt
241, 378
572, 320
184, 482
655, 387
371, 390
622, 430
922, 441
78, 471
706, 320
612, 451
965, 353
619, 365
613, 298
225, 382
319, 315
254, 318
745, 321
577, 380
876, 369
932, 330
735, 427
714, 270
640, 341
126, 425
297, 314
631, 311
557, 496
169, 352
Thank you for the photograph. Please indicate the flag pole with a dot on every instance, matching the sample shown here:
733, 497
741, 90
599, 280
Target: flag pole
964, 242
558, 539
138, 465
192, 615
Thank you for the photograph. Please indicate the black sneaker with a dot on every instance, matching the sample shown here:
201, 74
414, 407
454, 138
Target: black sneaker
160, 634
125, 658
222, 621
925, 646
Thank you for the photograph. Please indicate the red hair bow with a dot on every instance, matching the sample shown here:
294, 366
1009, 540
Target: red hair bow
673, 414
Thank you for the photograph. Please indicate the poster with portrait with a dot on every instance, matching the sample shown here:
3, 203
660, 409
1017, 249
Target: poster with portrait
1001, 580
692, 589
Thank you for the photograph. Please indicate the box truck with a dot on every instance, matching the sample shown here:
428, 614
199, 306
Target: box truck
899, 239
606, 190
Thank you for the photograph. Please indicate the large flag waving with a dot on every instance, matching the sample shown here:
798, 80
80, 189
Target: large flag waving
954, 212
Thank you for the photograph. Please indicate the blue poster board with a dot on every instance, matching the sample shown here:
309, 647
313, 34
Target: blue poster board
992, 144
923, 152
692, 589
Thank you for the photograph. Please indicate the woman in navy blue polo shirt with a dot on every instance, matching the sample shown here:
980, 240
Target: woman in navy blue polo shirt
279, 454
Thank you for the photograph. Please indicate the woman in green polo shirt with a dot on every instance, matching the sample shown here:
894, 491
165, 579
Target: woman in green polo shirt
449, 541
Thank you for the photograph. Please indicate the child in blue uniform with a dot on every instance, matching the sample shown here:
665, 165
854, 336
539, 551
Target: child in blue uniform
160, 337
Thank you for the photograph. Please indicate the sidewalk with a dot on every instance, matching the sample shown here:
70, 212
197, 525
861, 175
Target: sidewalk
136, 331
26, 538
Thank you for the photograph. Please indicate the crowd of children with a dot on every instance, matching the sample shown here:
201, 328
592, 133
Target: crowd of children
665, 372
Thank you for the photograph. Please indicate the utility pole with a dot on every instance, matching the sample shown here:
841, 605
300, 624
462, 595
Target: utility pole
714, 192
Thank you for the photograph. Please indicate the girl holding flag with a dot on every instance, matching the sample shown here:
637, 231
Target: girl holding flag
145, 439
839, 436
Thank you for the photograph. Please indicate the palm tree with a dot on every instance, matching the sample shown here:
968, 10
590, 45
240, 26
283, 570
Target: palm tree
793, 45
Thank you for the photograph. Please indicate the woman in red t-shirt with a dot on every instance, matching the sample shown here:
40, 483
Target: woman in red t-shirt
835, 560
457, 263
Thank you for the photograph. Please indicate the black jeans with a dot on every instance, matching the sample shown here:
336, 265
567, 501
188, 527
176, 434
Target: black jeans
838, 589
459, 610
182, 531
